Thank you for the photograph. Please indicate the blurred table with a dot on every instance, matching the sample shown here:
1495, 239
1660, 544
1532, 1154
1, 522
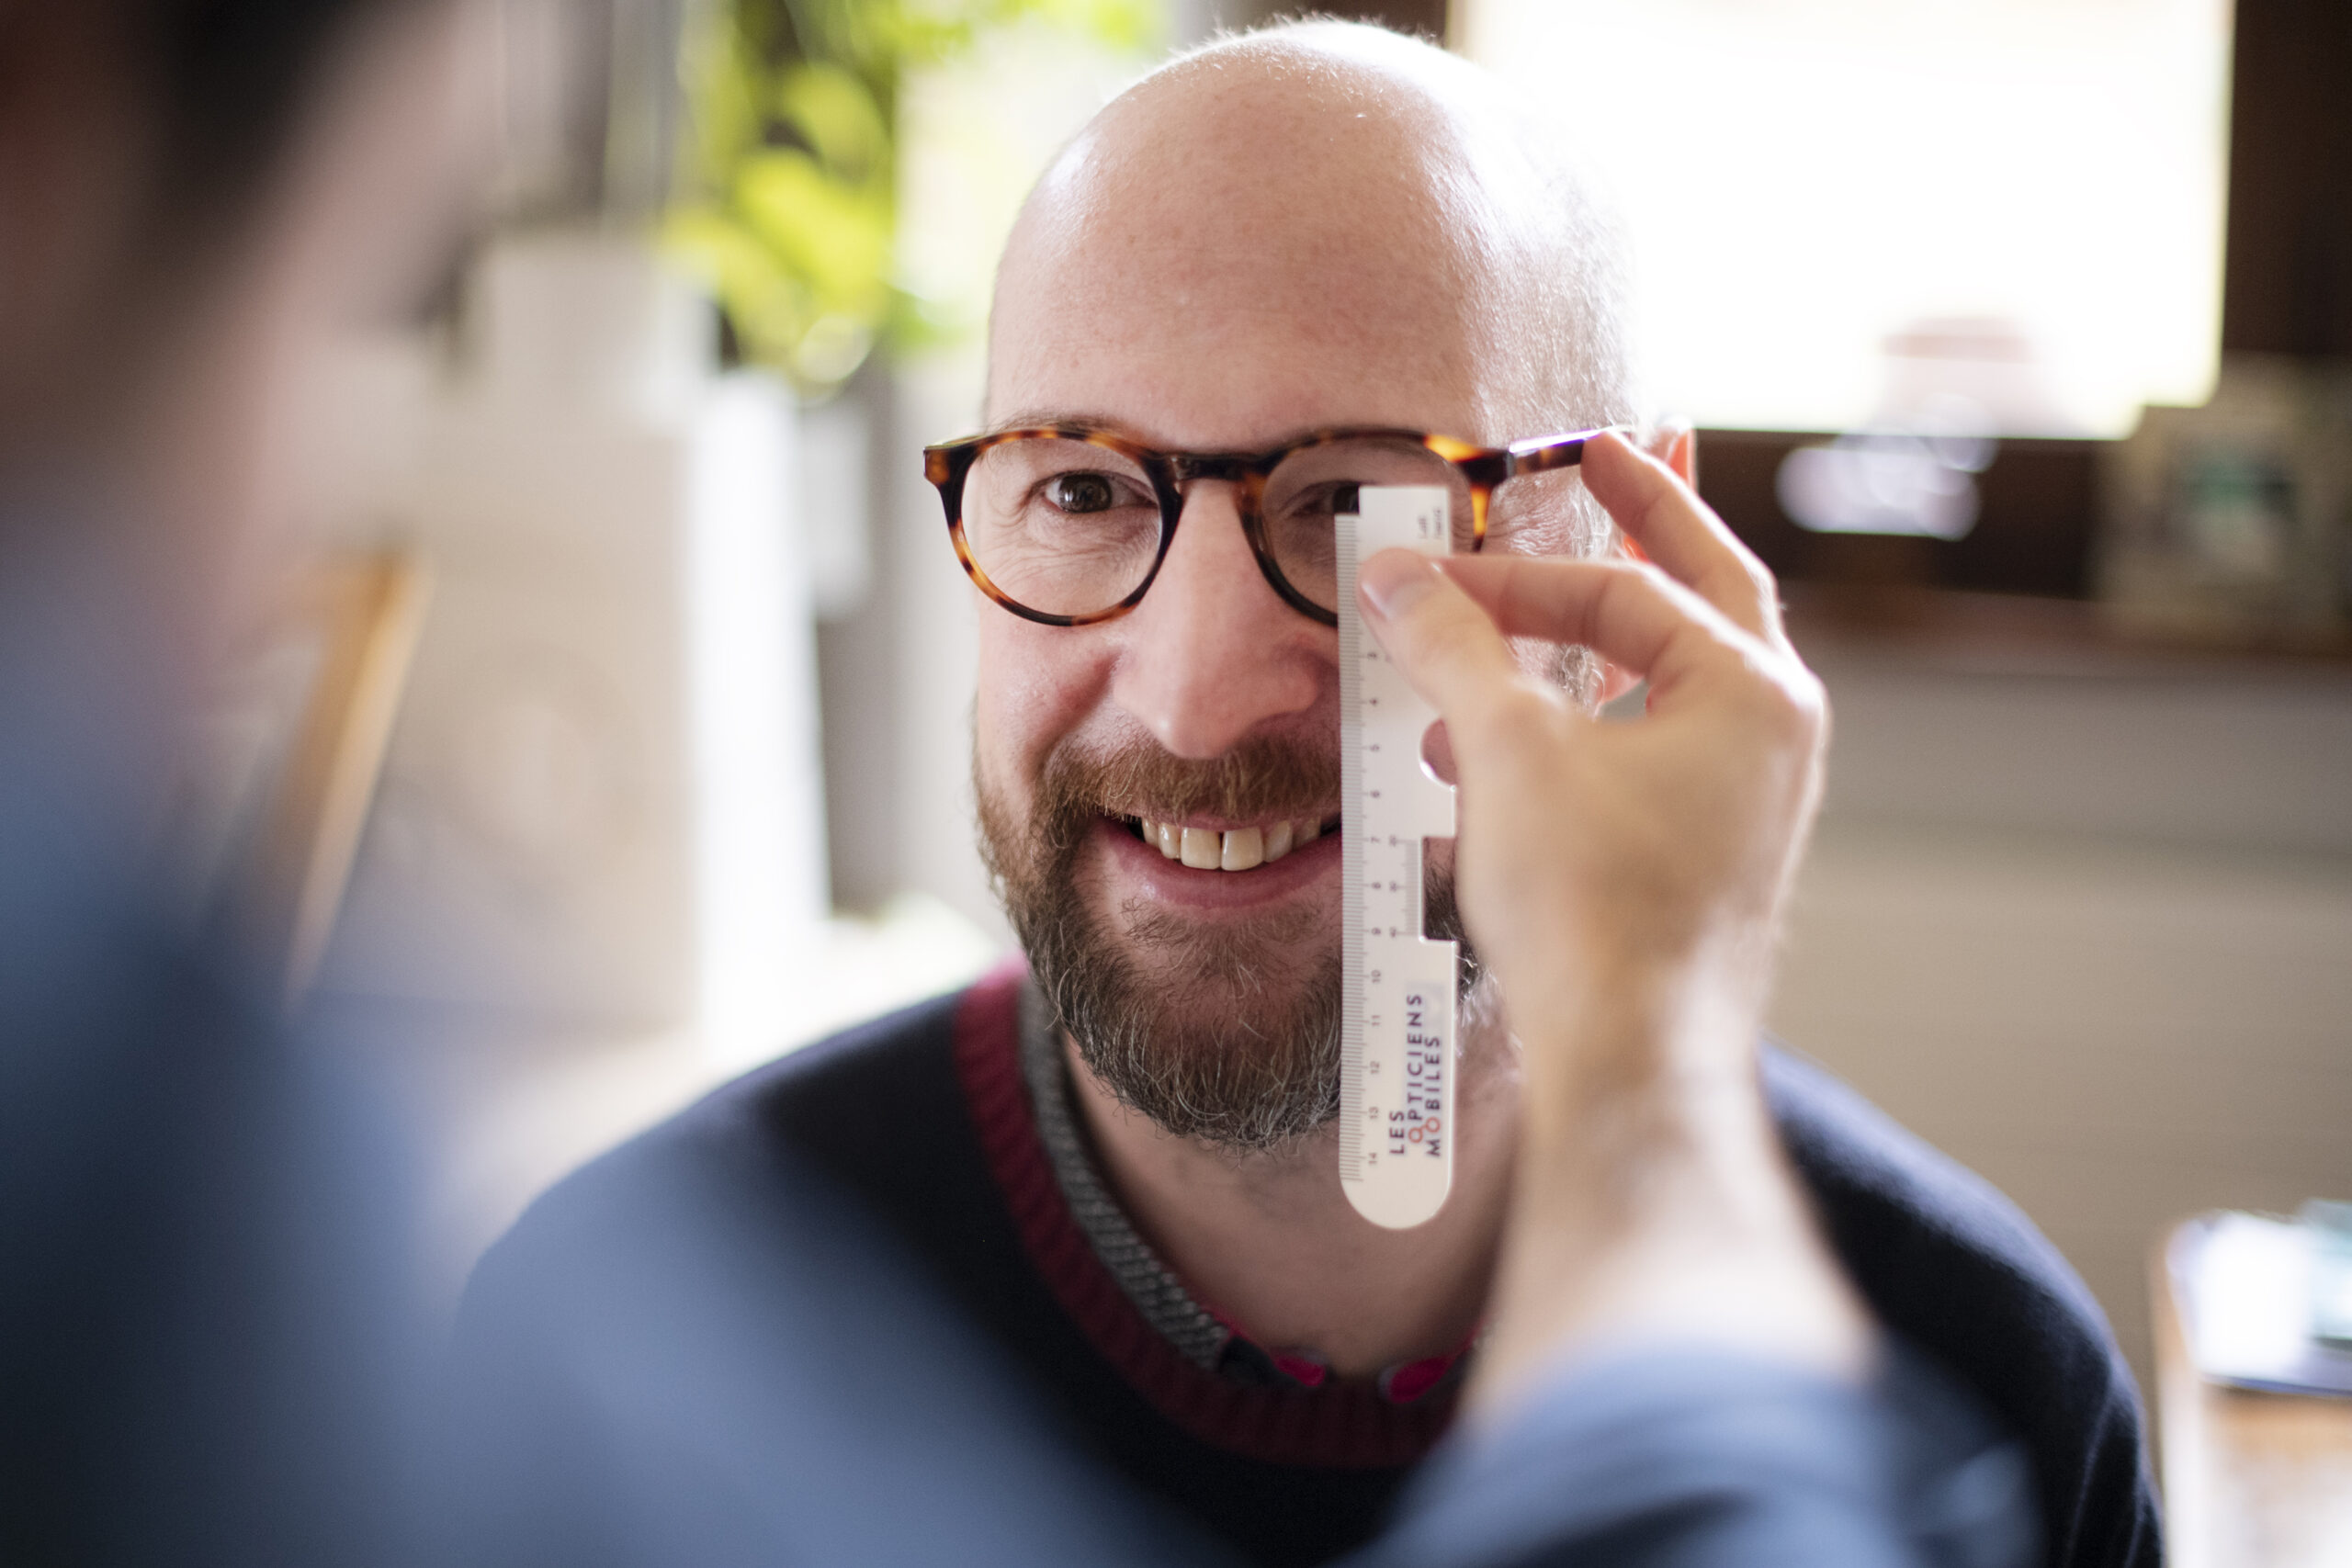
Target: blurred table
2251, 1480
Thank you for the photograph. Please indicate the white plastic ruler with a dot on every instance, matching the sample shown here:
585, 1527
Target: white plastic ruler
1396, 1025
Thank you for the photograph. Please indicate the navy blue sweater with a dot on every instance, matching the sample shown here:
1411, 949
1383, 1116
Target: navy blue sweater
922, 1121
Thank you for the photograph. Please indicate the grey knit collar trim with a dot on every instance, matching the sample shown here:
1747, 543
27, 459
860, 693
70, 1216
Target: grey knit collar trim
1162, 1299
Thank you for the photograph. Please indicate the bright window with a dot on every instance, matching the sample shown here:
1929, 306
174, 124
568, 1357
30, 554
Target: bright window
1840, 207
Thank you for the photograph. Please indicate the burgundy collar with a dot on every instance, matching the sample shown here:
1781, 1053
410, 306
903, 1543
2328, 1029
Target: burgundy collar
1300, 1420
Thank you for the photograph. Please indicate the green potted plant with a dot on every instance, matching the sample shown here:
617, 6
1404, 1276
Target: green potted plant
788, 205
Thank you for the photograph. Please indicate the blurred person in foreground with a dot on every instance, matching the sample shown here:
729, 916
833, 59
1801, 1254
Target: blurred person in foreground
213, 1349
1119, 1160
201, 1296
206, 1355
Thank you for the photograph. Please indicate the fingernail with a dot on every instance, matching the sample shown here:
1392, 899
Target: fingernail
1394, 581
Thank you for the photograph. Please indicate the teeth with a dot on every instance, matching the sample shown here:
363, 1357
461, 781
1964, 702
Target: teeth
1243, 848
1237, 849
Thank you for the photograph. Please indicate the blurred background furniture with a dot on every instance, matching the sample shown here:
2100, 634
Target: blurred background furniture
2252, 1478
364, 614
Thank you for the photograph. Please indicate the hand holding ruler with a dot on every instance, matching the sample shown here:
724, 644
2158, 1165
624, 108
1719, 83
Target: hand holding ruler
1396, 1006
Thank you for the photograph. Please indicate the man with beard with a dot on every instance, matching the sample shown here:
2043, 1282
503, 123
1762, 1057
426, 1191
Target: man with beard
1120, 1159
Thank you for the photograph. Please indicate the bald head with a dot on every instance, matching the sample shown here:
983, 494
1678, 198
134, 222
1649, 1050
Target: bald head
1321, 224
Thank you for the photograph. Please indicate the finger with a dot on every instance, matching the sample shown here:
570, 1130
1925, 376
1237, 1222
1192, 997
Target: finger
1445, 645
1631, 615
1673, 527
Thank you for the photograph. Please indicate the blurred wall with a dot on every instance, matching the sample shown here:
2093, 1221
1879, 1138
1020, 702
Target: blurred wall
2085, 922
1200, 18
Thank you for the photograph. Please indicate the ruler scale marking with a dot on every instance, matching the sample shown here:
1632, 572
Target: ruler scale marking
1396, 1007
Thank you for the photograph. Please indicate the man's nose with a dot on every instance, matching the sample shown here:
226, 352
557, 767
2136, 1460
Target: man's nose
1213, 653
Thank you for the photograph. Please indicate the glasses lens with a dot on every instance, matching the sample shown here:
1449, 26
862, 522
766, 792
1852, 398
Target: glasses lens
1062, 527
1315, 484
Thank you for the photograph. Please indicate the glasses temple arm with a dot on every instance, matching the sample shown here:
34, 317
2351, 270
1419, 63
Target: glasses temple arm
1543, 453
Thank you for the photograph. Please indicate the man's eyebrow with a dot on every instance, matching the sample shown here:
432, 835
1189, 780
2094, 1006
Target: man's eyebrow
1038, 419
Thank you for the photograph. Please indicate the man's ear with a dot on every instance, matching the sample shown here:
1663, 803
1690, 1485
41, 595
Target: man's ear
1676, 445
1615, 681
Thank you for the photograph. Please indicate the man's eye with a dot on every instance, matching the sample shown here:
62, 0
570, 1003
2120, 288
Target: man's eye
1323, 502
1082, 492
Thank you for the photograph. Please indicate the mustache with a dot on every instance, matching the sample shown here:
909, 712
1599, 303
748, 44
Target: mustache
1263, 776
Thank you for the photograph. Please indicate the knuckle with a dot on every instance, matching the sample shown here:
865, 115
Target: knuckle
1795, 704
1524, 706
1799, 687
1517, 711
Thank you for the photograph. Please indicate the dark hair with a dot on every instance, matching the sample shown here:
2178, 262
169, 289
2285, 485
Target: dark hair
229, 82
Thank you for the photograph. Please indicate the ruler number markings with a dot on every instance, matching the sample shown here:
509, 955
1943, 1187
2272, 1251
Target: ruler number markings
1396, 1017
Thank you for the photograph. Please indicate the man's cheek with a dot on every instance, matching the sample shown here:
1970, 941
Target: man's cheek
994, 768
1034, 685
1008, 742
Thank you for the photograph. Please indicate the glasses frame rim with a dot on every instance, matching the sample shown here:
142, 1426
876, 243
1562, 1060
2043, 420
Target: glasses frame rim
948, 464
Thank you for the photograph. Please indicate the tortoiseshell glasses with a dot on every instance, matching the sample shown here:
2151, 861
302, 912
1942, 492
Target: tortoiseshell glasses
1067, 525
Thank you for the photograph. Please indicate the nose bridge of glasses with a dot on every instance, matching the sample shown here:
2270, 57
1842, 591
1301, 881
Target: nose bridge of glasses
1230, 467
1214, 552
1227, 494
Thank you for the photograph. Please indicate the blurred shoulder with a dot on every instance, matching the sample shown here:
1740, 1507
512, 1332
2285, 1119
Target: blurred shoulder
749, 1146
1956, 1268
1889, 1191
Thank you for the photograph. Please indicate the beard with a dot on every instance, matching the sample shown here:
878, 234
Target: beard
1226, 1032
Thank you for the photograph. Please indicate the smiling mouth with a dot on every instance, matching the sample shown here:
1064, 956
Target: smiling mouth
1231, 849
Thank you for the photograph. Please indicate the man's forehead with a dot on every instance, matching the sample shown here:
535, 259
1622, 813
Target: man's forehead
1240, 252
1243, 381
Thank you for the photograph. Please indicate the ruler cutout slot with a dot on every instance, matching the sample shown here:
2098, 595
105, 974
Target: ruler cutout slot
1396, 999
